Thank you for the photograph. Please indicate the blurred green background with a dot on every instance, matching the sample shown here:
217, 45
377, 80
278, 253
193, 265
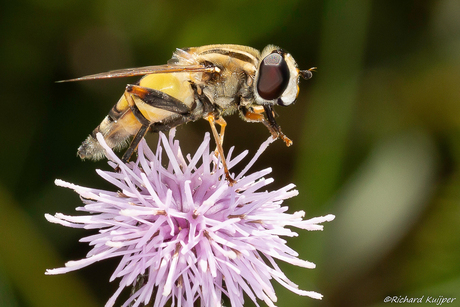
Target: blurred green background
376, 135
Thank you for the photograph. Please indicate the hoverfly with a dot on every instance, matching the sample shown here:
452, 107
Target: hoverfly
200, 82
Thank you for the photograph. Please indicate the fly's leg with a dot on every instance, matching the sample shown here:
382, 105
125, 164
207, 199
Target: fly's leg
273, 127
155, 99
211, 118
256, 114
222, 123
140, 133
134, 143
158, 99
210, 109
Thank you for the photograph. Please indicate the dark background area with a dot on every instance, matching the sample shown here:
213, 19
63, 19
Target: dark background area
376, 135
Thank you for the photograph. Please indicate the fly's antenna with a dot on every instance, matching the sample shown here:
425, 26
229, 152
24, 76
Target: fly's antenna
308, 73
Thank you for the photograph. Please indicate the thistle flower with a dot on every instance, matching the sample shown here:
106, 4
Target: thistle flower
190, 235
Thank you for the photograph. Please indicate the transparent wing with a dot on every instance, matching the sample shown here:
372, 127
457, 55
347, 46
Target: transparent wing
140, 71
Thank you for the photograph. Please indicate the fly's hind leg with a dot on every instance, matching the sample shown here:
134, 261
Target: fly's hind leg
155, 99
140, 133
219, 138
134, 143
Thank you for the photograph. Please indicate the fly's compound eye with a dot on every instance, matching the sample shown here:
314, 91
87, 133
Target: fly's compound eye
273, 76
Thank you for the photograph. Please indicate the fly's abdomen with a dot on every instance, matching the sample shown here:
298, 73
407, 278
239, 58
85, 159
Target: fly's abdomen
175, 85
120, 124
116, 128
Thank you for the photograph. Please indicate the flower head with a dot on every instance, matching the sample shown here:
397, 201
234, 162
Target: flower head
188, 233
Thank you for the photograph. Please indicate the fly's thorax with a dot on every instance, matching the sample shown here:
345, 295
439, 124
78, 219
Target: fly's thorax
226, 89
236, 71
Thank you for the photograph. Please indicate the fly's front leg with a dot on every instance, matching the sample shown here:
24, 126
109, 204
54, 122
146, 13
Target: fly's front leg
219, 138
273, 126
256, 114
